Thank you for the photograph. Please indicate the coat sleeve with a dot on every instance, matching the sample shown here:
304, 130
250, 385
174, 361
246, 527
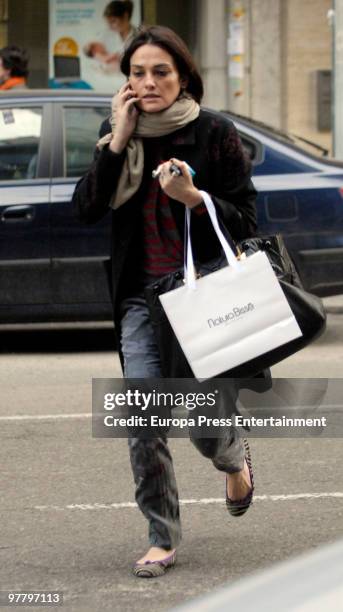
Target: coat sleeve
232, 190
93, 192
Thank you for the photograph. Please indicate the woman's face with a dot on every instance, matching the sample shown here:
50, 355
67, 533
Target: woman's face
154, 78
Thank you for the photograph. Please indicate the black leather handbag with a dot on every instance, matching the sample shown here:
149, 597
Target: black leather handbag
306, 307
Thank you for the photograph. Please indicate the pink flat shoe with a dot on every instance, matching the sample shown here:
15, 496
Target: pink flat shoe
154, 569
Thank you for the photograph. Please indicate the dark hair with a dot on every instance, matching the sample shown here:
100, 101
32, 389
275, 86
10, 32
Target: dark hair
169, 41
118, 8
16, 60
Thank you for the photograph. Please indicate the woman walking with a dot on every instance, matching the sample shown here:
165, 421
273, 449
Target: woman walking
157, 122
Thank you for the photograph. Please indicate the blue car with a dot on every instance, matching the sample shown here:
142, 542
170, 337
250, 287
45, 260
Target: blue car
53, 268
300, 195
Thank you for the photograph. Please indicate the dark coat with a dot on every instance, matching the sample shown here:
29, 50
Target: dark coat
211, 146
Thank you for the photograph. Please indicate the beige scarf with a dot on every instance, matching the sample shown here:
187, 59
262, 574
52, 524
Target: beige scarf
149, 125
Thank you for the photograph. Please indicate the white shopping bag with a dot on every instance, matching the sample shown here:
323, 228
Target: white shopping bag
230, 316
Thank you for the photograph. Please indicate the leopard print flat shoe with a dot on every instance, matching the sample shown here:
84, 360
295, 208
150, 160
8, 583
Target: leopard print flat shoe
240, 506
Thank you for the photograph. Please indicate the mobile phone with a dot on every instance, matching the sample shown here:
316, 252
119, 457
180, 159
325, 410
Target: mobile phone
134, 105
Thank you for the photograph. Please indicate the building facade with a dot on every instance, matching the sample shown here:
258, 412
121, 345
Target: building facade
267, 59
287, 65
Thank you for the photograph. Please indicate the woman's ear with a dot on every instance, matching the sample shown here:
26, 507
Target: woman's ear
183, 83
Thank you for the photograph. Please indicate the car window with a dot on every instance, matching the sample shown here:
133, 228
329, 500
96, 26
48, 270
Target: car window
253, 148
81, 129
20, 132
283, 162
249, 148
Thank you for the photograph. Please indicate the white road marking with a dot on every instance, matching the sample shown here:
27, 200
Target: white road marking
88, 415
188, 502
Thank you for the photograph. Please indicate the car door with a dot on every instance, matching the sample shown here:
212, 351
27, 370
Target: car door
80, 253
24, 205
301, 198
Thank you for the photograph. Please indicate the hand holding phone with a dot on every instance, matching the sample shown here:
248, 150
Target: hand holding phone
126, 117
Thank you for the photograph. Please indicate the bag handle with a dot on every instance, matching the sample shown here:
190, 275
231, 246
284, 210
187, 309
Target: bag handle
189, 269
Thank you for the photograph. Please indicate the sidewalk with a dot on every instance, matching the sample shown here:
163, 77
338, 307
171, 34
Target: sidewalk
334, 304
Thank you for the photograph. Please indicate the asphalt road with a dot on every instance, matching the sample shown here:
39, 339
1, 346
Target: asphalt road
66, 509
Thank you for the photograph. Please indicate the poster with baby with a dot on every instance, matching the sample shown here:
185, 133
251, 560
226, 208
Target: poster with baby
86, 40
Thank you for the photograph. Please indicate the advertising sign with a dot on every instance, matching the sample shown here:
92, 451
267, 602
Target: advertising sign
85, 45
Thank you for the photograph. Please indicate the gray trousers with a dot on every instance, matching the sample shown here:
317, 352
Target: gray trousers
151, 461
